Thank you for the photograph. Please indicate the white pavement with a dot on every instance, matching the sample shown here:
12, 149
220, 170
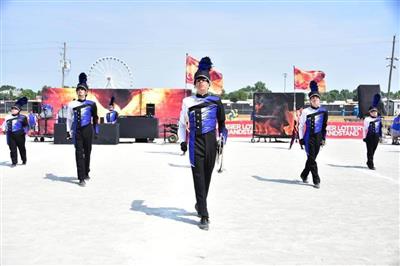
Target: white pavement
138, 207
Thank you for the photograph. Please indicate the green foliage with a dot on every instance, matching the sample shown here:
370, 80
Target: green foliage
246, 92
330, 96
28, 93
393, 95
8, 92
7, 88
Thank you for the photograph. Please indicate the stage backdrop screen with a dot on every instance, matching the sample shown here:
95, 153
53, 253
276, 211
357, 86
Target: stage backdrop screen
366, 95
273, 114
128, 102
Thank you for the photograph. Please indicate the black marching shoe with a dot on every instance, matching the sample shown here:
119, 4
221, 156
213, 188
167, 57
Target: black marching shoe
24, 162
204, 223
371, 166
87, 177
304, 179
198, 213
197, 210
13, 165
316, 185
82, 183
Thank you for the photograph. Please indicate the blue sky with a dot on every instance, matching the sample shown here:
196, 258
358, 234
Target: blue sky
248, 41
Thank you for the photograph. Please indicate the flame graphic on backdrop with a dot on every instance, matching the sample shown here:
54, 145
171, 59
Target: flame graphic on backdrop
130, 102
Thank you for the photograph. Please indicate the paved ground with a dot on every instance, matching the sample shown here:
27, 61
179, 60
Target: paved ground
138, 207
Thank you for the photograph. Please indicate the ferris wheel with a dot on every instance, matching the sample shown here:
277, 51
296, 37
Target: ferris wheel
110, 73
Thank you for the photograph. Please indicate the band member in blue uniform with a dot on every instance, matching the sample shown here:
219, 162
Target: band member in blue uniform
312, 133
199, 116
82, 121
15, 126
395, 129
32, 120
372, 132
112, 116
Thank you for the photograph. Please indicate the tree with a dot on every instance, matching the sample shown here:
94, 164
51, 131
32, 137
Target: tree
7, 88
28, 93
331, 96
246, 92
345, 94
239, 95
393, 95
355, 95
46, 87
9, 92
260, 87
223, 94
4, 95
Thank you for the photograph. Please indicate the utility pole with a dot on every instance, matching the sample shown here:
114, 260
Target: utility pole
65, 64
284, 81
390, 72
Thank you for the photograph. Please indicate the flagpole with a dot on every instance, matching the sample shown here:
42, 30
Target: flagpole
186, 70
294, 90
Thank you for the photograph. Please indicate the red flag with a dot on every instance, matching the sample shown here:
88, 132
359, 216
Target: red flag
191, 68
192, 65
303, 78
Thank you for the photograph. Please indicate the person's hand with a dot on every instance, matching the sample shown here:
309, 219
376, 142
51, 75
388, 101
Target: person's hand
365, 139
184, 146
69, 135
301, 142
323, 142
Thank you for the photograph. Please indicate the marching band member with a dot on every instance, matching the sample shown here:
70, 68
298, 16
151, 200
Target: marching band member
82, 121
15, 126
112, 116
372, 132
312, 133
199, 115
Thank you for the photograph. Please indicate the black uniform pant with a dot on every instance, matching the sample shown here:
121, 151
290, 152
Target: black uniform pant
314, 144
372, 143
83, 148
205, 151
17, 140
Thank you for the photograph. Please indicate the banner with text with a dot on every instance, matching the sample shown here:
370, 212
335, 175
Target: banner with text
335, 130
344, 130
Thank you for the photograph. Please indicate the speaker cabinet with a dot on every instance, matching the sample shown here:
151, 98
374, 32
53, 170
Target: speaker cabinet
150, 109
108, 134
365, 95
60, 134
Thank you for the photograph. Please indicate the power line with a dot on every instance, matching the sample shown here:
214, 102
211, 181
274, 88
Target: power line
210, 45
28, 43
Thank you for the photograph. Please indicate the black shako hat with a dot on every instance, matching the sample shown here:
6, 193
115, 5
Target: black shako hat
82, 82
112, 99
375, 102
203, 71
314, 90
19, 103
